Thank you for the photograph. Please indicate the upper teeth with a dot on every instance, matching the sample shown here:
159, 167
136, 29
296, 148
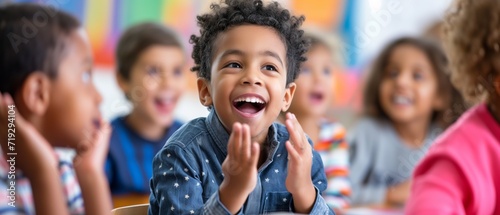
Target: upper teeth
165, 99
250, 99
401, 100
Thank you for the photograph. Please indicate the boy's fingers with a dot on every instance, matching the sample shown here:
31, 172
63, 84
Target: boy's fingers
289, 125
102, 138
8, 99
304, 143
294, 124
4, 106
235, 141
255, 154
5, 101
292, 152
295, 139
238, 144
298, 127
246, 149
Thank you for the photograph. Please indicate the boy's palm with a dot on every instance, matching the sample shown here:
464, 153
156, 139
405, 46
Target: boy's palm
240, 165
299, 157
92, 152
29, 143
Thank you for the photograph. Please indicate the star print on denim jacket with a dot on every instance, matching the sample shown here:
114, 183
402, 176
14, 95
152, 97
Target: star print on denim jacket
187, 173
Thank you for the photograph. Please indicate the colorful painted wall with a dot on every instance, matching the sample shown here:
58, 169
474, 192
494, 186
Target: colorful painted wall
105, 20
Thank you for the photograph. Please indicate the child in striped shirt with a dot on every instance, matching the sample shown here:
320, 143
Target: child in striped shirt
48, 101
311, 101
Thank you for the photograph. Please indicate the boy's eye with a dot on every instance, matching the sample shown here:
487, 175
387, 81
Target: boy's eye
418, 76
327, 71
305, 70
86, 77
270, 68
152, 70
233, 65
177, 72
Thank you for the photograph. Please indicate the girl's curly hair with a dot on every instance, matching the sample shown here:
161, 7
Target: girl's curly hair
472, 42
233, 13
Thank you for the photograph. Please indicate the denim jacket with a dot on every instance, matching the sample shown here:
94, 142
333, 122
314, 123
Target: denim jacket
187, 173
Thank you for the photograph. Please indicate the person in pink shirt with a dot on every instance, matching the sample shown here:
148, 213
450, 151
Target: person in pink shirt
460, 175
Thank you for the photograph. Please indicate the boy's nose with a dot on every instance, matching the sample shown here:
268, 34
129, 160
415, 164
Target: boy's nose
318, 76
165, 81
168, 81
251, 77
97, 95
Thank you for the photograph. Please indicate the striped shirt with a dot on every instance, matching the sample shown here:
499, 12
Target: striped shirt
334, 152
23, 202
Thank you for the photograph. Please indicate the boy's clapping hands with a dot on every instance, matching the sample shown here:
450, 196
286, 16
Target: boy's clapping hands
240, 167
298, 181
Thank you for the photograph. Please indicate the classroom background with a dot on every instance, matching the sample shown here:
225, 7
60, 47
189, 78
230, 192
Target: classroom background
364, 26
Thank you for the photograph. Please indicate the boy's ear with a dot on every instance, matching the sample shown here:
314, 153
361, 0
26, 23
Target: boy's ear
288, 97
35, 93
204, 92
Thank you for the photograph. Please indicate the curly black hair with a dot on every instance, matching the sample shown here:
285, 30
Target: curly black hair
232, 13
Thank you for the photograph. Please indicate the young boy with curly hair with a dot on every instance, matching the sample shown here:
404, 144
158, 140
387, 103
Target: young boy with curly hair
236, 160
460, 174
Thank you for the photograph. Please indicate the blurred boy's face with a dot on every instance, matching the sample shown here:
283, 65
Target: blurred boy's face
73, 110
156, 83
409, 88
248, 79
314, 84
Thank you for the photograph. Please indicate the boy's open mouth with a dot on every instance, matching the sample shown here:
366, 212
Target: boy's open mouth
164, 104
316, 97
249, 104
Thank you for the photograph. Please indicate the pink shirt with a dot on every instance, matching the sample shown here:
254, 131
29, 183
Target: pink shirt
461, 173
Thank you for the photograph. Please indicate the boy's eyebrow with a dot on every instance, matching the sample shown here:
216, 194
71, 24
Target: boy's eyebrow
264, 53
272, 54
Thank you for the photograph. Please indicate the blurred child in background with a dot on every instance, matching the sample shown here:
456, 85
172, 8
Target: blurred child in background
150, 63
460, 174
406, 98
45, 71
311, 101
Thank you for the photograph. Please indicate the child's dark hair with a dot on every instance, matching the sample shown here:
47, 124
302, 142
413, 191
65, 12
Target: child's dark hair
241, 12
454, 105
329, 40
33, 39
138, 38
472, 32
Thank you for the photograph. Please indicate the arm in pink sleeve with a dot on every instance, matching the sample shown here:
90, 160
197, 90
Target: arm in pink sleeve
439, 187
